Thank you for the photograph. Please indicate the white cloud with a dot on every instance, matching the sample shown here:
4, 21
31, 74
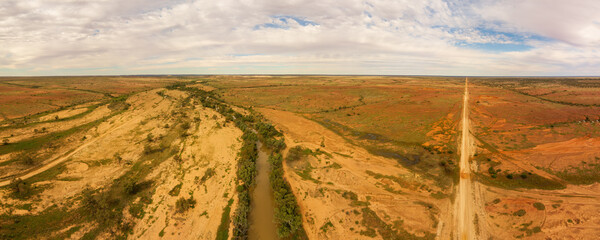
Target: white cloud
348, 37
574, 22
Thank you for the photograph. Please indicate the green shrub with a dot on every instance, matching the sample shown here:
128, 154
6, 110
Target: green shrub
183, 204
539, 206
185, 125
520, 213
296, 153
350, 195
175, 190
207, 175
246, 174
26, 159
130, 186
287, 212
20, 188
223, 229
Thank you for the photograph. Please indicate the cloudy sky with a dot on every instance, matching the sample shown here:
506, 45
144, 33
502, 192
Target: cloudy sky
424, 37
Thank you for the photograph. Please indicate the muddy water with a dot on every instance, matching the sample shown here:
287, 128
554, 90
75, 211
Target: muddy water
262, 225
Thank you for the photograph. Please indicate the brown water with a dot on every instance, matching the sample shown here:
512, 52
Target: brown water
262, 224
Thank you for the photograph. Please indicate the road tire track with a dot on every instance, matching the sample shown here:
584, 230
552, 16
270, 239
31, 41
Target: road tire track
466, 226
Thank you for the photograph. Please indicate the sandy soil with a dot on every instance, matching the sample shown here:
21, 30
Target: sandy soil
92, 163
561, 155
63, 114
208, 147
321, 201
571, 213
15, 135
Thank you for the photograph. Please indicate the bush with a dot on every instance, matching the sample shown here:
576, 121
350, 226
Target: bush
175, 190
520, 213
267, 131
130, 186
185, 125
100, 207
150, 137
26, 159
183, 204
178, 159
149, 148
20, 188
208, 174
296, 153
539, 206
350, 195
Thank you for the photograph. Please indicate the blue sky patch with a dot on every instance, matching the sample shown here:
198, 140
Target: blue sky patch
497, 47
284, 21
499, 41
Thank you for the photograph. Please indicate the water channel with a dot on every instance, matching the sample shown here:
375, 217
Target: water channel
262, 225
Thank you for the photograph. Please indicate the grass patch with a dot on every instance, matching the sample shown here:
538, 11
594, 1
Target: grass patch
207, 175
223, 230
137, 210
33, 145
27, 207
44, 224
371, 221
175, 190
305, 173
510, 181
343, 155
581, 175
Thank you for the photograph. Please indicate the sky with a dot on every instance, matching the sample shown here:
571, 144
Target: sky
374, 37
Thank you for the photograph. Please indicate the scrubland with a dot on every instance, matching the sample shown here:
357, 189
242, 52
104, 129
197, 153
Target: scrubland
350, 157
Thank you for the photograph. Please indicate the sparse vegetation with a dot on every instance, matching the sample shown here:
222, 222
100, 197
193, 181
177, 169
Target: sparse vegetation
223, 230
533, 181
20, 189
539, 206
371, 221
520, 213
207, 175
184, 204
402, 122
175, 190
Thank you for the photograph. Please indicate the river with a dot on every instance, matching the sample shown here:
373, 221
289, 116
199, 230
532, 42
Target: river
262, 224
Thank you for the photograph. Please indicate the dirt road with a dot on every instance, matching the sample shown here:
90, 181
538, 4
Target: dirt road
466, 228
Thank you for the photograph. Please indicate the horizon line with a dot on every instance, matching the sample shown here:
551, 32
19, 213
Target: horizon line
309, 74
